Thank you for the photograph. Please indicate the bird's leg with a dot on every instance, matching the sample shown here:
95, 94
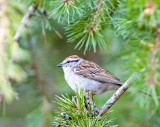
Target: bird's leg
74, 98
89, 101
89, 97
89, 94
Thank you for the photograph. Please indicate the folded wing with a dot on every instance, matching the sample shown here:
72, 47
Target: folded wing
95, 72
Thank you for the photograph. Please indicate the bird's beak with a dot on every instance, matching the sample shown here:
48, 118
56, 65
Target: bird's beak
60, 65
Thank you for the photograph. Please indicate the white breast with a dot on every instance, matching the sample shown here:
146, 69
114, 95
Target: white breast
76, 82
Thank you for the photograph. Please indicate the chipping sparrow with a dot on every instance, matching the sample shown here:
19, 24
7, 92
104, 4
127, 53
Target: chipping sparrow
80, 73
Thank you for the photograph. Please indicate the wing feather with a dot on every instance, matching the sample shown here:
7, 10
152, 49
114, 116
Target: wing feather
95, 72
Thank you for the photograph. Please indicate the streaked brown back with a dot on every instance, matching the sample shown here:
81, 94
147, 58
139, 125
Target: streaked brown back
93, 71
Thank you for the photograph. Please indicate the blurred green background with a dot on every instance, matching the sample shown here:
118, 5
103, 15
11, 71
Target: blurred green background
29, 78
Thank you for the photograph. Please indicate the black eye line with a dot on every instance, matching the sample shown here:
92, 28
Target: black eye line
72, 61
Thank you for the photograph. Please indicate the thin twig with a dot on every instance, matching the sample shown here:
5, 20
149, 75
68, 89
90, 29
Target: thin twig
24, 21
115, 96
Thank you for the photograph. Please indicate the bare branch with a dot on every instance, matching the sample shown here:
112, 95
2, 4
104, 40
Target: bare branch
116, 96
24, 21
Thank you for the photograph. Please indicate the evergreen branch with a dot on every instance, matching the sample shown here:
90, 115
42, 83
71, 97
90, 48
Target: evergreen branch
116, 96
3, 24
24, 21
78, 112
88, 29
98, 9
65, 11
140, 27
5, 86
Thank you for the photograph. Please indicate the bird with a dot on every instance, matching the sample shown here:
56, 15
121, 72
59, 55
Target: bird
87, 75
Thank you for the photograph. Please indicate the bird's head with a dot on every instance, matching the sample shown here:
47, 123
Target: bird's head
70, 61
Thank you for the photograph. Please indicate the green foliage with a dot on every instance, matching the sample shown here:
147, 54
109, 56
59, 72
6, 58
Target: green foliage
12, 54
140, 28
83, 20
137, 19
65, 11
87, 37
128, 30
78, 112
